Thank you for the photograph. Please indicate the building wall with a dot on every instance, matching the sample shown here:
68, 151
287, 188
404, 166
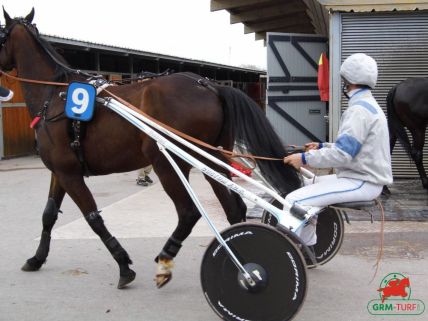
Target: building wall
399, 43
16, 136
17, 139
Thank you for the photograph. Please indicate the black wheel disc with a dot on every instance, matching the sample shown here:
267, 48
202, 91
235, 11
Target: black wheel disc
330, 231
265, 253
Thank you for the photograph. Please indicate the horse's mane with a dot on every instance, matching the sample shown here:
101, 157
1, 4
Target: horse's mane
62, 67
49, 48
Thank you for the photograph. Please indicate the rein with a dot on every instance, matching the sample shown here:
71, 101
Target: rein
228, 154
32, 81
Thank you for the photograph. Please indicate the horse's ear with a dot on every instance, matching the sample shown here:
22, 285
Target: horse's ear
29, 18
7, 18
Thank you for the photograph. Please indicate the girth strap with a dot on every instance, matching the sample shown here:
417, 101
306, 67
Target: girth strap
78, 133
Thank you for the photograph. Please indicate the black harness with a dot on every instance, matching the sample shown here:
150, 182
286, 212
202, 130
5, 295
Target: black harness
76, 129
204, 82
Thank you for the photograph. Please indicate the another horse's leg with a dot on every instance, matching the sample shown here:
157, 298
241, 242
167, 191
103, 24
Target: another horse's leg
75, 187
417, 154
188, 216
392, 141
50, 215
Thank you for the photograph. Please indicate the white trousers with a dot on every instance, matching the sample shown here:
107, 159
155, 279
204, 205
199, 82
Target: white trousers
328, 190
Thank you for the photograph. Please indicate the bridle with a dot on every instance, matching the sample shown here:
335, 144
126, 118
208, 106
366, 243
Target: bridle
5, 30
32, 29
3, 35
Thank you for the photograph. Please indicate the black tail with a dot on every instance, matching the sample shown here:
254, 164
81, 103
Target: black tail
250, 126
394, 124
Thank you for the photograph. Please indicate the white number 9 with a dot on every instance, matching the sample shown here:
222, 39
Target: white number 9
80, 97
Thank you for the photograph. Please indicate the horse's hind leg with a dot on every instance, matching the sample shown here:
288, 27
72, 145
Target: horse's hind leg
417, 155
232, 203
392, 140
50, 215
188, 216
79, 192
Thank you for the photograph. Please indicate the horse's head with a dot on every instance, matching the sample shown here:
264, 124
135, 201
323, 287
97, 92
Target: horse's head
14, 31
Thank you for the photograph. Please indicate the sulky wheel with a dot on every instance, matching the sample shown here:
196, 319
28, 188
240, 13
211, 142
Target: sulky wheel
274, 262
330, 231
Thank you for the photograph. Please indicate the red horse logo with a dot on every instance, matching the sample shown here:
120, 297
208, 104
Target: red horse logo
395, 287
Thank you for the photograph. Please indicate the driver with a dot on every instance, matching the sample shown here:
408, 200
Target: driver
360, 155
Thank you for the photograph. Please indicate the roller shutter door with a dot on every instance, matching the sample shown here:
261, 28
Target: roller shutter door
399, 43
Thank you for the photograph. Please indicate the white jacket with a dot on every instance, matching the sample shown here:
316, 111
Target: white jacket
361, 150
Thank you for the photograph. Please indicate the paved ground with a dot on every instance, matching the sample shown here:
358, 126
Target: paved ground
78, 282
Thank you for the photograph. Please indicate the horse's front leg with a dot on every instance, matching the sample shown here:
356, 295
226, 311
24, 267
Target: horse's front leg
50, 215
79, 192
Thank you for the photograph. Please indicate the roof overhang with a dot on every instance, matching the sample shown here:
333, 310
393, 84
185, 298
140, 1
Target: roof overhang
261, 16
114, 50
371, 5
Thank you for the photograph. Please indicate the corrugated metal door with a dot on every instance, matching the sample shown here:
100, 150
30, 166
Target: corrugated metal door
399, 43
293, 103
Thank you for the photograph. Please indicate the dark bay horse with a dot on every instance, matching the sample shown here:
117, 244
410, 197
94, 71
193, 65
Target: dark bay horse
214, 114
407, 107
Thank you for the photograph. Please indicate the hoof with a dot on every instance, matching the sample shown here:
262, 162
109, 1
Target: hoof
126, 279
386, 191
162, 279
163, 272
32, 265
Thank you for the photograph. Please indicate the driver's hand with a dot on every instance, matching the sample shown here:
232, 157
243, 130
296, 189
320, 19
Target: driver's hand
310, 146
294, 160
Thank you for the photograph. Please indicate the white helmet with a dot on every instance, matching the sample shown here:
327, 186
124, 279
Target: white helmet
359, 69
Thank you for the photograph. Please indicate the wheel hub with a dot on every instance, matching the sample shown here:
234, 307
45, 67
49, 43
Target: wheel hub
258, 275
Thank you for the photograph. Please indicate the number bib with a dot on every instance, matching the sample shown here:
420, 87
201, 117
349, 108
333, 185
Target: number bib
80, 103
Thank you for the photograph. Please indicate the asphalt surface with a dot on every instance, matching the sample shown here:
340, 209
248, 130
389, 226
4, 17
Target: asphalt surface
78, 282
